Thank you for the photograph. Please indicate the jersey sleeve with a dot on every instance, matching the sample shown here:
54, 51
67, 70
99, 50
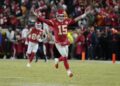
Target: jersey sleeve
49, 22
71, 21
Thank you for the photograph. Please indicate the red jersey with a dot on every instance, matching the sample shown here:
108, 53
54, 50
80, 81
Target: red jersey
59, 28
34, 35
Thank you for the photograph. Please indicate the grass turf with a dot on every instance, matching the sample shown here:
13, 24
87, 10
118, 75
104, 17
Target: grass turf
87, 73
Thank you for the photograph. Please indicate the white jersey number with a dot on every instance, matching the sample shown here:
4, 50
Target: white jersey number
35, 36
62, 29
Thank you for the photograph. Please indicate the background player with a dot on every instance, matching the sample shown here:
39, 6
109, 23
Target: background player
34, 37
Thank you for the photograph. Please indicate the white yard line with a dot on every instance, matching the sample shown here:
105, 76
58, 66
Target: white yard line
11, 77
38, 84
101, 61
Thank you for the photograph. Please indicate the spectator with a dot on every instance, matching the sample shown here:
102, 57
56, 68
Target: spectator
16, 9
91, 43
0, 40
24, 34
80, 45
18, 45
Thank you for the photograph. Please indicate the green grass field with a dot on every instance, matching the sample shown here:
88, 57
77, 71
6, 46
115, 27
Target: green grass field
86, 73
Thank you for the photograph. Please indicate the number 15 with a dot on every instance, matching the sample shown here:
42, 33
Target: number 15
62, 29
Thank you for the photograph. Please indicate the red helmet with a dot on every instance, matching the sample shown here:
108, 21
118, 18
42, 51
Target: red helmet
60, 15
38, 25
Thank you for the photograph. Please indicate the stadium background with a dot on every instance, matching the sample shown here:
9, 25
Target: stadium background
102, 42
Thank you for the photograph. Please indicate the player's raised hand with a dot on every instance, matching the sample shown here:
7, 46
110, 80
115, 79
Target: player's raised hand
88, 10
36, 12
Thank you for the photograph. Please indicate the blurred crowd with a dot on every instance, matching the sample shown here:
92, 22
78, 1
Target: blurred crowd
97, 34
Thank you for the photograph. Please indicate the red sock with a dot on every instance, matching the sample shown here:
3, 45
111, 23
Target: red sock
31, 57
61, 58
28, 56
66, 64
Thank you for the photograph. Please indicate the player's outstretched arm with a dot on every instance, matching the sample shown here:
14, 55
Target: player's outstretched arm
80, 17
45, 21
42, 19
83, 15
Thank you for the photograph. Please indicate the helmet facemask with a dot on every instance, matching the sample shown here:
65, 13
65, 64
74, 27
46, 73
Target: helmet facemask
60, 15
38, 25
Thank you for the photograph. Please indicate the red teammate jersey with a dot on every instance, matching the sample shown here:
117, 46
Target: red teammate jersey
59, 28
35, 35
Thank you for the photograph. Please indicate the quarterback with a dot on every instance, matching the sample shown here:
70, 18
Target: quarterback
60, 26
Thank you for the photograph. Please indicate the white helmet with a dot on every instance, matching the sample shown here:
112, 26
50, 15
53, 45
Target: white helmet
60, 15
38, 25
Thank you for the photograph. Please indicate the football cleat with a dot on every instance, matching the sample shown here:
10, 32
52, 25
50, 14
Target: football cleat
56, 63
28, 65
69, 73
56, 66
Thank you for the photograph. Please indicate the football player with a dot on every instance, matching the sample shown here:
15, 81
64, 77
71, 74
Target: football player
34, 37
60, 24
